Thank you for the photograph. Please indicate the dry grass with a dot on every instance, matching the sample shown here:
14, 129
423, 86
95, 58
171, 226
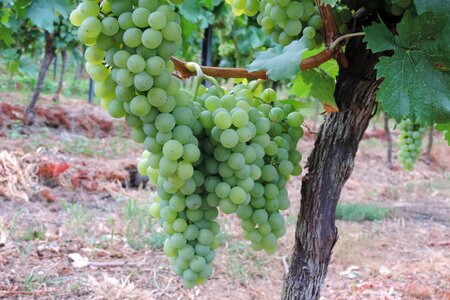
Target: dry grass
110, 288
18, 179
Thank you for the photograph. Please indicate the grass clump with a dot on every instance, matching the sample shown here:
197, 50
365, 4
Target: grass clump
360, 212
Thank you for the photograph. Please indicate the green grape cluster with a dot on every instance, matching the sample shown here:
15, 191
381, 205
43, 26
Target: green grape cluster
250, 154
128, 58
410, 142
286, 20
232, 152
247, 153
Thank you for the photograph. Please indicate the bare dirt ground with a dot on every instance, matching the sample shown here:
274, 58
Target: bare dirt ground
81, 231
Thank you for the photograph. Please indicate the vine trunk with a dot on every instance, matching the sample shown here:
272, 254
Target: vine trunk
49, 55
63, 72
329, 167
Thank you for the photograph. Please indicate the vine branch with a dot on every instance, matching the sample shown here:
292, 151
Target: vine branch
331, 32
217, 72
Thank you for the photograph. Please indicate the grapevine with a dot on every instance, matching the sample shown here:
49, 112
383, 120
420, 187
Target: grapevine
214, 150
233, 150
410, 142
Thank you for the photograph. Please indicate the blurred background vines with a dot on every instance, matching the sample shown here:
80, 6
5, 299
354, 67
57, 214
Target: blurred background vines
40, 52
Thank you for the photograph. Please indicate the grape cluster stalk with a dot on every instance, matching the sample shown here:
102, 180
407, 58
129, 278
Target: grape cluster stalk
214, 150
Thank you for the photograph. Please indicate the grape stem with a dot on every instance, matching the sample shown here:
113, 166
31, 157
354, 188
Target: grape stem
194, 67
257, 84
340, 39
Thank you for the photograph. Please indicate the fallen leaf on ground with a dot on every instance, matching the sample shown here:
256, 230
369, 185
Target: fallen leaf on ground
78, 261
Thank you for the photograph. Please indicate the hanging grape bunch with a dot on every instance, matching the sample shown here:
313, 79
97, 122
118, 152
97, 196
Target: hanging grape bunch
410, 142
288, 20
215, 150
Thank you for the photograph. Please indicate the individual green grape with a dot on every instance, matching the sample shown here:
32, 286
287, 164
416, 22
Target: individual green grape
125, 21
155, 66
76, 18
120, 58
157, 96
229, 138
143, 82
309, 32
293, 27
124, 78
171, 31
294, 10
173, 149
140, 105
140, 17
132, 37
115, 109
110, 26
157, 20
91, 27
94, 55
119, 7
152, 38
136, 64
98, 73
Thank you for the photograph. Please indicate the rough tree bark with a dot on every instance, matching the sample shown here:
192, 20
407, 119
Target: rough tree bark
329, 166
63, 72
50, 52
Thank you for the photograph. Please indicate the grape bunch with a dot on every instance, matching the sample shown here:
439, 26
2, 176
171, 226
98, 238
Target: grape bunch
250, 153
287, 20
232, 152
247, 154
128, 58
410, 142
284, 20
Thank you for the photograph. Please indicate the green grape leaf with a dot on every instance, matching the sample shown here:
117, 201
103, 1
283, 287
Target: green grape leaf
317, 84
44, 14
195, 13
6, 36
379, 38
432, 5
416, 76
281, 63
445, 128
